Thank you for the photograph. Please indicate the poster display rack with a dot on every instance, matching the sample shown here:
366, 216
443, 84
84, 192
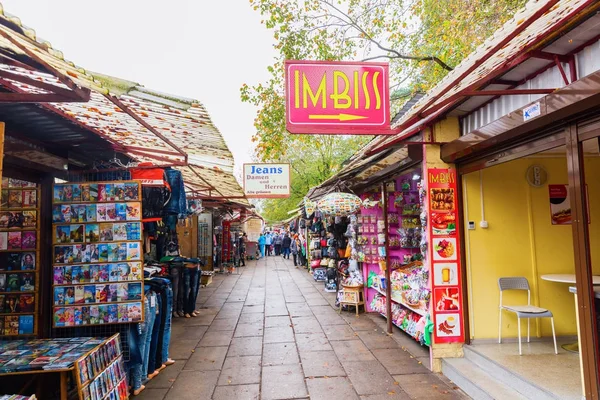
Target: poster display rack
19, 258
97, 253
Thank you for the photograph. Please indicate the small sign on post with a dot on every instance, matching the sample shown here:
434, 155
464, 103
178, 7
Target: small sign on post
337, 97
266, 181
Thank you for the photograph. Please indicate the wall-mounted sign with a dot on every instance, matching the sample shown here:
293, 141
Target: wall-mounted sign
444, 256
337, 97
266, 181
532, 111
536, 175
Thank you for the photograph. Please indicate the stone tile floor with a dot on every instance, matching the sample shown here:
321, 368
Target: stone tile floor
271, 332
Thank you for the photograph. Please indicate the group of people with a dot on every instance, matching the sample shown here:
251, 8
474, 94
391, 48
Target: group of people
284, 244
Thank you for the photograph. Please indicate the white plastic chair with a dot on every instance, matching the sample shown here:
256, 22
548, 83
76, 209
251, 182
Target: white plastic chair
523, 311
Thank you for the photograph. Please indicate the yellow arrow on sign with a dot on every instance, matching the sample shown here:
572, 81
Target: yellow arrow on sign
339, 117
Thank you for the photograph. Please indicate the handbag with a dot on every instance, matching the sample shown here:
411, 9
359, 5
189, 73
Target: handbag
315, 263
324, 262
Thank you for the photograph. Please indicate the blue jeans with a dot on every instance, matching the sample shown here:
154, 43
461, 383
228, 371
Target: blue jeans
190, 289
135, 339
177, 295
167, 329
154, 341
286, 252
148, 327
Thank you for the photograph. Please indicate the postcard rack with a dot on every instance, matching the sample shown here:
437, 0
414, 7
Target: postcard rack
97, 250
19, 258
100, 374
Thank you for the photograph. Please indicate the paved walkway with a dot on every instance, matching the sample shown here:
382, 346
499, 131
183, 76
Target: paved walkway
272, 333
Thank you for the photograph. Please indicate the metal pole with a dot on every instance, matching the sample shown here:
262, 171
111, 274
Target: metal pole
388, 286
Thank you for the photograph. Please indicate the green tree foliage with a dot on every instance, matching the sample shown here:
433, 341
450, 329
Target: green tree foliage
422, 39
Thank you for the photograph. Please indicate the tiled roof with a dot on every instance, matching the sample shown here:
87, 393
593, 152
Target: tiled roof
147, 125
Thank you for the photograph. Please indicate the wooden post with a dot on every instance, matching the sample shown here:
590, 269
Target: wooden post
388, 284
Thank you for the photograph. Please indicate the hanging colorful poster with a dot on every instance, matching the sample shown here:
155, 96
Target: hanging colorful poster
444, 255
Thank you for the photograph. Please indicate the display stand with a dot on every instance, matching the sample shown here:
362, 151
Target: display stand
395, 251
98, 258
352, 296
102, 356
19, 258
101, 373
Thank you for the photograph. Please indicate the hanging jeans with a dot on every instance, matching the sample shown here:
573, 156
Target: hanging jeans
190, 289
176, 281
135, 339
168, 315
154, 341
150, 310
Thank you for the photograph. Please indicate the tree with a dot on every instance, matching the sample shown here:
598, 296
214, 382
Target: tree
422, 39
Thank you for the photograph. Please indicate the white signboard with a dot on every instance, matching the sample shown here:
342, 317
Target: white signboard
532, 111
253, 228
266, 181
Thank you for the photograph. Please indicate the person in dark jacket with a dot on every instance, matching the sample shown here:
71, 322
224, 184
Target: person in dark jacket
285, 246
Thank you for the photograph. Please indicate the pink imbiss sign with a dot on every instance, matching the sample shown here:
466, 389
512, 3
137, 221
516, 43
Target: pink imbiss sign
337, 97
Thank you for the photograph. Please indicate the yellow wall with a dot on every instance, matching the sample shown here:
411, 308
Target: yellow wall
521, 241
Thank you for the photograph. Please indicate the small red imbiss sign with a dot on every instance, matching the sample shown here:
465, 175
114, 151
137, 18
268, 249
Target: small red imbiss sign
337, 97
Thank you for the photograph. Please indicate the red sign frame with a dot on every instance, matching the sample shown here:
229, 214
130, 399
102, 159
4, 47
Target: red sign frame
337, 97
445, 256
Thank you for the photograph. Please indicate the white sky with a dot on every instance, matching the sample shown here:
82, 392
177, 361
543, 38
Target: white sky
202, 49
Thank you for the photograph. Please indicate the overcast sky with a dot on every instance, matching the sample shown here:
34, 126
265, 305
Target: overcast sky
203, 49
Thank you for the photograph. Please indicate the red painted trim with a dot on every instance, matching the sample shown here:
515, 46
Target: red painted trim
561, 69
506, 92
79, 91
42, 85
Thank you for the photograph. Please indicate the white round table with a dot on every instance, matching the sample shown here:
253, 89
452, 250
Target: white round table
566, 278
570, 278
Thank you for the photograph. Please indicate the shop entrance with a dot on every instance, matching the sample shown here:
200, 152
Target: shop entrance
520, 217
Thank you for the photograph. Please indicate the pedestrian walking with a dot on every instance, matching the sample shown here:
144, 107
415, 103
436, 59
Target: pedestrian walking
242, 250
269, 243
262, 240
287, 241
277, 243
294, 249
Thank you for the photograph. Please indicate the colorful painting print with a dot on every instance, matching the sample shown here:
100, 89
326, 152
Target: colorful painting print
101, 212
91, 212
121, 211
133, 231
14, 240
131, 191
111, 212
92, 233
106, 232
65, 209
29, 240
77, 233
29, 198
134, 212
133, 251
27, 261
29, 219
15, 198
27, 303
76, 192
57, 215
59, 277
119, 231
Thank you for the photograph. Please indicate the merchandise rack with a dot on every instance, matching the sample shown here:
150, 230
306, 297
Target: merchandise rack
109, 304
14, 323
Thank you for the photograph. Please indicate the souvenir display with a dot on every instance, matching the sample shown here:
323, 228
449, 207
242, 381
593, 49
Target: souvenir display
339, 204
19, 278
97, 253
406, 239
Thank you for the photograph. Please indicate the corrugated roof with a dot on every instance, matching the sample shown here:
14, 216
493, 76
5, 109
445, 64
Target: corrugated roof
149, 125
